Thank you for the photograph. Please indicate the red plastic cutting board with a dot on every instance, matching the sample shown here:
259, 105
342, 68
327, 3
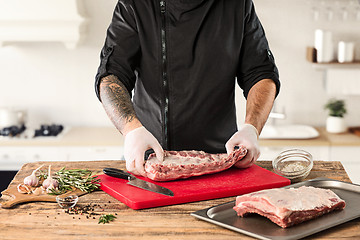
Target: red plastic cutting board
231, 182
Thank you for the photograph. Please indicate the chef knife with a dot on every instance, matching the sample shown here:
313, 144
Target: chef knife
118, 173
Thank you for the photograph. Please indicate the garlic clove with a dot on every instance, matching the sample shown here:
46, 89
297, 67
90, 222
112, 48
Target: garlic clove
51, 189
39, 190
23, 188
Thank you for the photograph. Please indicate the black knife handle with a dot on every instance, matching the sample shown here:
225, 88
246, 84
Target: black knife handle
114, 172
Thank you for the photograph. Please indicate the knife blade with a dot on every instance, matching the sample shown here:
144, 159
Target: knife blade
136, 182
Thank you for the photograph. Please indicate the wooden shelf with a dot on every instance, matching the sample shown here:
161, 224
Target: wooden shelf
311, 57
324, 66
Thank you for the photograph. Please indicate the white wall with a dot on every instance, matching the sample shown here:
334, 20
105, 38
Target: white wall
290, 25
56, 85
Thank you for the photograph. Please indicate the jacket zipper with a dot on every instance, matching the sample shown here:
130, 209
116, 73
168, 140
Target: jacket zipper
164, 74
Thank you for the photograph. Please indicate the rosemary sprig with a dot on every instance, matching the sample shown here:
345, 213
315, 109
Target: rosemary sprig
75, 178
42, 175
106, 218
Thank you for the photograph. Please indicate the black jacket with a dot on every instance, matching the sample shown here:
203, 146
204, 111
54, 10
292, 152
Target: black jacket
181, 58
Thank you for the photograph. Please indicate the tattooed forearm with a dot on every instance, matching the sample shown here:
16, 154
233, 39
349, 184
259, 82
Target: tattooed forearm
117, 102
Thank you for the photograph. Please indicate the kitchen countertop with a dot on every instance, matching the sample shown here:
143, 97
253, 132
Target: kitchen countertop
109, 136
46, 220
325, 139
73, 136
321, 140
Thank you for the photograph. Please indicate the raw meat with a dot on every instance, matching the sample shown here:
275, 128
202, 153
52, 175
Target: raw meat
287, 207
185, 164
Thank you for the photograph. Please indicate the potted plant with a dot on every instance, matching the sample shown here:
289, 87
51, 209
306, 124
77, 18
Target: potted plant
335, 123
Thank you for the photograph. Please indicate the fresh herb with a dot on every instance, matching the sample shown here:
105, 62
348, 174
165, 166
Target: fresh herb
106, 218
42, 175
75, 178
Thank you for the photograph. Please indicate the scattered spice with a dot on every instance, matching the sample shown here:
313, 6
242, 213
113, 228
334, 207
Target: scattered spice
106, 218
82, 210
89, 211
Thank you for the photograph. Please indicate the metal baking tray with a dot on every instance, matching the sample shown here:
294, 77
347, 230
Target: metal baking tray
262, 228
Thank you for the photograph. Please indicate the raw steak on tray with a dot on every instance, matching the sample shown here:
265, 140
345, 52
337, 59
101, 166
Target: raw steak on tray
185, 164
287, 207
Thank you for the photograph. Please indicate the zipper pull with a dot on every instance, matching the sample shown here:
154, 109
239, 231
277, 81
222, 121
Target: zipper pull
162, 6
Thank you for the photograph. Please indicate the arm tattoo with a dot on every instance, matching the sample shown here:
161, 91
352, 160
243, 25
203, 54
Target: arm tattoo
116, 101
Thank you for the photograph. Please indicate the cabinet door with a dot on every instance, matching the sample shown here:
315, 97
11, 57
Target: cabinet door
350, 158
95, 153
12, 158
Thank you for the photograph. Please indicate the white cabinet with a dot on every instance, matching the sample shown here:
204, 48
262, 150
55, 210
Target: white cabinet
42, 21
350, 158
95, 153
12, 158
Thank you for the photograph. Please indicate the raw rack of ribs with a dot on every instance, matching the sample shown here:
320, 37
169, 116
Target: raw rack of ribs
185, 164
287, 207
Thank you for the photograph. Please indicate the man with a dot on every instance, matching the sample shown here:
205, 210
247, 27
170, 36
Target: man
181, 58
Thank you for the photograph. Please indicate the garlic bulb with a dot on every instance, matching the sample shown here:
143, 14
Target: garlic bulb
52, 187
50, 182
32, 180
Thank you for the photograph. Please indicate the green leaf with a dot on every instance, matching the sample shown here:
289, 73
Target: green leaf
336, 107
106, 218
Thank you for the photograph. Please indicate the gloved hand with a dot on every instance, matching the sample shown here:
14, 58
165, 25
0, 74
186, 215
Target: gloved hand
247, 135
136, 143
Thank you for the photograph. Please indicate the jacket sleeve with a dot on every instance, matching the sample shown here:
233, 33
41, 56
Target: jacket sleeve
120, 54
256, 60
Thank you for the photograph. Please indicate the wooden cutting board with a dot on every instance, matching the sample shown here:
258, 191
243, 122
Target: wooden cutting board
17, 197
231, 182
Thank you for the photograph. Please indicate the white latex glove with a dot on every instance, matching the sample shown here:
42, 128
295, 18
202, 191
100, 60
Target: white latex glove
247, 135
136, 143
